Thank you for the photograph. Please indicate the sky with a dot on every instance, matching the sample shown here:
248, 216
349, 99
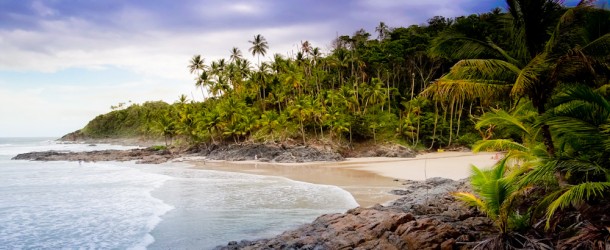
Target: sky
63, 62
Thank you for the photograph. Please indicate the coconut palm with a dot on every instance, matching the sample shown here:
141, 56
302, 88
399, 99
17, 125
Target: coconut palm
306, 47
496, 194
545, 55
338, 121
301, 110
269, 123
165, 125
374, 94
203, 81
196, 64
580, 118
235, 54
382, 30
259, 46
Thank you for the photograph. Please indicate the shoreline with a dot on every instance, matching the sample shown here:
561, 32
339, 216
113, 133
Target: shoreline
369, 180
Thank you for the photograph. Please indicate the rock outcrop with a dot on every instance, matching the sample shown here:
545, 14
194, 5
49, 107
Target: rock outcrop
267, 153
146, 155
362, 228
231, 152
419, 220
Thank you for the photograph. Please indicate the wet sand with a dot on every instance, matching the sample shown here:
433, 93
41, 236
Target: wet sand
369, 180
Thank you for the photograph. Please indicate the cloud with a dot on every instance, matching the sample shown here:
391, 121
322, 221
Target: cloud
153, 40
56, 109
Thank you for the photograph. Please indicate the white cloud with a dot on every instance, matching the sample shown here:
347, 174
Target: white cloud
42, 9
142, 40
60, 109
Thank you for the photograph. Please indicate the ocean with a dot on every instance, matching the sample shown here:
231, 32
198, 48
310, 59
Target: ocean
112, 205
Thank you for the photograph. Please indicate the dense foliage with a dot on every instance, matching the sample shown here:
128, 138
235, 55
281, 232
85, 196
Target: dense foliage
365, 89
531, 82
555, 135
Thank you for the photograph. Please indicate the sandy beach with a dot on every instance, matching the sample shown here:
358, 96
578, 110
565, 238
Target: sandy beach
368, 179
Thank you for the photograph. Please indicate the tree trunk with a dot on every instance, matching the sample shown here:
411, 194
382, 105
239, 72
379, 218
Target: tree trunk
435, 125
302, 131
547, 139
459, 115
451, 111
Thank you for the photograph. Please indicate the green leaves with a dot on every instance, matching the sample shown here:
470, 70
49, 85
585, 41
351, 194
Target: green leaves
496, 193
574, 195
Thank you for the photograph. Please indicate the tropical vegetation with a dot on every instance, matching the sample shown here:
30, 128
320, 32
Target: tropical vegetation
532, 82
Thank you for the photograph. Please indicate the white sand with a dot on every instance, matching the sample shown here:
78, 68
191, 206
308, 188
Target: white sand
368, 179
451, 165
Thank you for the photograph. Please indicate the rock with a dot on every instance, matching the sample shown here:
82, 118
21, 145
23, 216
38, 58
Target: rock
431, 221
427, 233
140, 155
361, 228
394, 150
269, 153
401, 192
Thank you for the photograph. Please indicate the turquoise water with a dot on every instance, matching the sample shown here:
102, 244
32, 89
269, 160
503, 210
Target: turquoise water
51, 205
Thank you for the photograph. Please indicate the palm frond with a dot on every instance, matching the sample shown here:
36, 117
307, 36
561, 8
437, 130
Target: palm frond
494, 193
564, 23
510, 59
504, 120
484, 70
471, 200
461, 90
498, 145
458, 46
582, 166
528, 78
576, 194
580, 93
598, 48
542, 174
478, 178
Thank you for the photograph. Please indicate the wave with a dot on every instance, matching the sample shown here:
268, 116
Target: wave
64, 204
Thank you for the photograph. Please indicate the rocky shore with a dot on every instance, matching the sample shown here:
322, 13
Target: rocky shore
146, 155
425, 217
277, 153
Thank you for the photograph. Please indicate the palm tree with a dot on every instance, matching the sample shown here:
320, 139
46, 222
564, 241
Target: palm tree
337, 121
269, 123
496, 193
301, 110
166, 125
540, 61
235, 54
306, 47
196, 64
580, 118
374, 94
259, 46
382, 30
203, 81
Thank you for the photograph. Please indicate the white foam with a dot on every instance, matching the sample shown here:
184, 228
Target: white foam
67, 205
109, 205
36, 146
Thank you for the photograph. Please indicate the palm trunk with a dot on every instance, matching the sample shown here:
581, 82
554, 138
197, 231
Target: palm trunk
459, 115
451, 122
547, 138
302, 131
435, 125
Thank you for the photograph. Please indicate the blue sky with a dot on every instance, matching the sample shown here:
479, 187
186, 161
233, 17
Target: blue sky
63, 62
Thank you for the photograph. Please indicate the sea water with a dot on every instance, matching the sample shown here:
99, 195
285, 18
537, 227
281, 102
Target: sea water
111, 205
